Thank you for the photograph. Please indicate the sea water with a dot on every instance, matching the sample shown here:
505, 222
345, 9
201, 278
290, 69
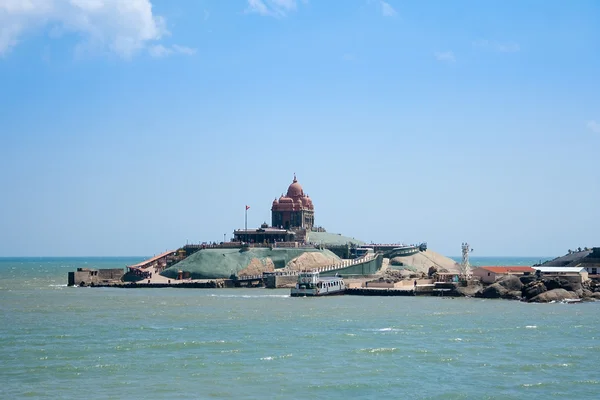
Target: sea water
98, 343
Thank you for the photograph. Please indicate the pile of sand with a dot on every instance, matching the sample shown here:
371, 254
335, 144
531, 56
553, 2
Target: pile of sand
312, 260
421, 262
258, 266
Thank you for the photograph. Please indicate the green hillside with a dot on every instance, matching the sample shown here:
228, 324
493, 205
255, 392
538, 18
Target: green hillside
222, 263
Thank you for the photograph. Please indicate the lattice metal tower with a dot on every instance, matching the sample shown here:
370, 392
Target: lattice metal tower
465, 267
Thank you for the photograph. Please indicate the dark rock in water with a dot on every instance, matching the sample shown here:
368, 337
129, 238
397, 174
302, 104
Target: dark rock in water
494, 291
499, 291
470, 291
533, 289
511, 283
527, 279
554, 295
570, 283
595, 295
552, 283
513, 295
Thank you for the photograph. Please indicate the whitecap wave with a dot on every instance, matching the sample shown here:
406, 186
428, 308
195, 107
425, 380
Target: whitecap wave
380, 350
271, 358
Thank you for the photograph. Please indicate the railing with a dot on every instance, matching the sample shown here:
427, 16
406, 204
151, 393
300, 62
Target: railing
249, 277
345, 263
326, 268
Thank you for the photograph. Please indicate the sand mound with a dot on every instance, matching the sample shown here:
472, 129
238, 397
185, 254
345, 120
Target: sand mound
312, 260
421, 262
257, 267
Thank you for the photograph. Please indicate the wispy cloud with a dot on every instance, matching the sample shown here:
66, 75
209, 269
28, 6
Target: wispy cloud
594, 126
121, 26
272, 8
384, 7
162, 51
497, 46
445, 56
387, 10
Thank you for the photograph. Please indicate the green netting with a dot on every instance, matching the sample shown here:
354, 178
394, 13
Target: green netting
222, 263
332, 239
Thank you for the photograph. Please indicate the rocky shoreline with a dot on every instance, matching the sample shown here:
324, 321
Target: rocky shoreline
536, 290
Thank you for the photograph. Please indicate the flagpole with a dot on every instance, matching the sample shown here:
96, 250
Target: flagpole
246, 221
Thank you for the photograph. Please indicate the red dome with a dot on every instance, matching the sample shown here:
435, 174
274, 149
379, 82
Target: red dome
295, 189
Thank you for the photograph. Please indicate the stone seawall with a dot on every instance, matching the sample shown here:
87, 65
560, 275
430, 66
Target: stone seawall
209, 284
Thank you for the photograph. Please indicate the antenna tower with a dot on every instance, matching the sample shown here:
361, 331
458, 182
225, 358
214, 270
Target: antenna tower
465, 266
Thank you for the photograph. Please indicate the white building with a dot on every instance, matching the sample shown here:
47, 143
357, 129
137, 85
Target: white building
562, 271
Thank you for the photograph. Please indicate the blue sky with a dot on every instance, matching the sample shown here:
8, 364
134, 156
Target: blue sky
132, 127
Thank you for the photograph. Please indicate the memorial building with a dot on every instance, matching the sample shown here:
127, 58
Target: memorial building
292, 216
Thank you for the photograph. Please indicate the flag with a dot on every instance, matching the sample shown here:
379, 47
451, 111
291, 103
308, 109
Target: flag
247, 207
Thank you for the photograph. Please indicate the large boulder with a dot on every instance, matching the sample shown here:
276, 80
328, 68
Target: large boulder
570, 283
554, 295
533, 289
552, 283
527, 279
513, 295
511, 283
499, 291
494, 291
471, 290
586, 293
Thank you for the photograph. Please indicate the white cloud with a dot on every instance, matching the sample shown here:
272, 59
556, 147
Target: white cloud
387, 10
159, 50
272, 8
497, 46
121, 26
594, 126
184, 50
445, 56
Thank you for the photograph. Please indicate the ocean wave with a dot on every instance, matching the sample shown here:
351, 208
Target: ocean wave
531, 327
532, 384
383, 330
276, 357
379, 350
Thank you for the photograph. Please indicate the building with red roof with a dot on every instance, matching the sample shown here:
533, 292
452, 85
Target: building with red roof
490, 274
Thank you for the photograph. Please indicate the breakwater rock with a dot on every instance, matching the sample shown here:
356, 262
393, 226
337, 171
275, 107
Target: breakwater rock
542, 290
507, 288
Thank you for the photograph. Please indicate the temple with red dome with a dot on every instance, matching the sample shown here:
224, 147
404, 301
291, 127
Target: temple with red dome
293, 211
292, 216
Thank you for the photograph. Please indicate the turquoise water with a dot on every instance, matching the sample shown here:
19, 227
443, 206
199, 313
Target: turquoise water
99, 343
